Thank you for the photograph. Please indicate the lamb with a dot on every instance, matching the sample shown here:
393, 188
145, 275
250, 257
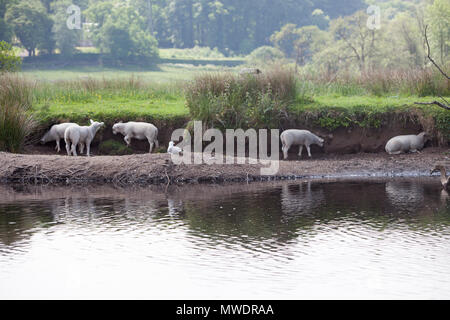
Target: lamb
249, 71
138, 130
82, 135
56, 133
406, 143
299, 137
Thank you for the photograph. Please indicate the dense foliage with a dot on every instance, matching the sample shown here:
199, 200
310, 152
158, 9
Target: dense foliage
8, 60
328, 35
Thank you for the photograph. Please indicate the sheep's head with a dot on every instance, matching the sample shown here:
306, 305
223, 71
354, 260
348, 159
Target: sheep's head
96, 125
117, 127
426, 136
321, 142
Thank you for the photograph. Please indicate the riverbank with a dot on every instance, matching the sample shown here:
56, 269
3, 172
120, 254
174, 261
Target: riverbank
154, 169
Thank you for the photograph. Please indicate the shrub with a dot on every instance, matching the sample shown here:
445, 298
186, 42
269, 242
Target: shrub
265, 54
8, 60
231, 101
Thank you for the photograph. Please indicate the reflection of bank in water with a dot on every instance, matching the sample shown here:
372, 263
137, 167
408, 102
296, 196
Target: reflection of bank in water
405, 195
415, 196
256, 211
297, 199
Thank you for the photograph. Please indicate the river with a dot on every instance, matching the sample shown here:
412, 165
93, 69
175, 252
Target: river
327, 239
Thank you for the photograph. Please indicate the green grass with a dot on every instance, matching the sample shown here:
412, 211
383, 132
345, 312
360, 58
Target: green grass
201, 53
166, 73
158, 96
379, 103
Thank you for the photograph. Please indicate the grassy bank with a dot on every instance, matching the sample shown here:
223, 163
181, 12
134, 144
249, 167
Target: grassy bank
172, 96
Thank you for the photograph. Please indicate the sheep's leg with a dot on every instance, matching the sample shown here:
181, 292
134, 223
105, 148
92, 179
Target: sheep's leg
58, 149
127, 140
151, 145
285, 152
81, 148
74, 149
88, 149
68, 148
300, 150
309, 151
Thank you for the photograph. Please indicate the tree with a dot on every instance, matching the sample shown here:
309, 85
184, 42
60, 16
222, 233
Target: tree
403, 47
5, 30
8, 60
444, 105
299, 43
31, 24
358, 41
286, 38
439, 20
265, 55
310, 40
66, 39
121, 31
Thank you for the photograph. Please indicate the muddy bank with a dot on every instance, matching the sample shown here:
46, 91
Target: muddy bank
154, 169
363, 133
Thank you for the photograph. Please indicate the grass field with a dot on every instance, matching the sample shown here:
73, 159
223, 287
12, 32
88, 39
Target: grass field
132, 94
166, 73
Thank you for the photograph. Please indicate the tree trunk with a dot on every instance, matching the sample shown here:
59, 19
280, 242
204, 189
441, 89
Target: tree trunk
150, 16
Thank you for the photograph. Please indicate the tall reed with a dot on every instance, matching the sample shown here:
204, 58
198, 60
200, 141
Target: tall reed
380, 82
225, 100
16, 121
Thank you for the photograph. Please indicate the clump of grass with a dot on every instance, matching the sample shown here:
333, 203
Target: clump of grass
241, 101
112, 147
380, 82
90, 89
16, 122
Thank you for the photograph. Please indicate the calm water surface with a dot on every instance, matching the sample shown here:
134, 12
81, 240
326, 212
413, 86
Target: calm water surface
302, 240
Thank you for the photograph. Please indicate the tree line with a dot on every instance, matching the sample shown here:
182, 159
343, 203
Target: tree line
331, 34
232, 26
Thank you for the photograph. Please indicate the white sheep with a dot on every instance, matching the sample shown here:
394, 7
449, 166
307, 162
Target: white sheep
249, 71
56, 133
82, 135
138, 130
411, 143
299, 137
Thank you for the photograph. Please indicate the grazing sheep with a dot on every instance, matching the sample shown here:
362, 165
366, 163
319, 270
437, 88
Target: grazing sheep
56, 133
82, 135
138, 130
299, 137
173, 149
406, 143
249, 71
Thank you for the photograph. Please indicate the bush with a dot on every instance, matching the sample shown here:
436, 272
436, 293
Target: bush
8, 60
230, 101
16, 123
265, 54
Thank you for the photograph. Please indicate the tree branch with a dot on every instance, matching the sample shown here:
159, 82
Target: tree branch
435, 103
429, 55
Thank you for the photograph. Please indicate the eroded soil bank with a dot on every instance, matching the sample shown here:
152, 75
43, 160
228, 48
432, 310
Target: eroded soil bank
147, 169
